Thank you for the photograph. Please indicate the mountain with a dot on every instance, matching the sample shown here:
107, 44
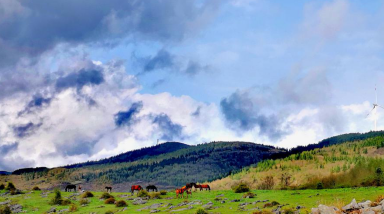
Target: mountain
167, 165
350, 160
5, 173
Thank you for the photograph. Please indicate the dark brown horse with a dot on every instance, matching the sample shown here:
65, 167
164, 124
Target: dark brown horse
190, 185
136, 187
151, 187
205, 186
109, 189
69, 187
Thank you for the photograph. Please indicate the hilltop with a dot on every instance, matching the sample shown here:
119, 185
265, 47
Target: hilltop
168, 165
351, 160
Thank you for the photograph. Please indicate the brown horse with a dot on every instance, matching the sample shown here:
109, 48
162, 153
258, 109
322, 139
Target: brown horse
136, 187
180, 192
205, 186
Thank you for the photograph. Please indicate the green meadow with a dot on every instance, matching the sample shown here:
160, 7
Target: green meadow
33, 202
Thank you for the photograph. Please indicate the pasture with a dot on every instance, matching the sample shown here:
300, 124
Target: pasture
38, 201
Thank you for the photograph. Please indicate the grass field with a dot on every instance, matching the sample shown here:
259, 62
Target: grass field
33, 202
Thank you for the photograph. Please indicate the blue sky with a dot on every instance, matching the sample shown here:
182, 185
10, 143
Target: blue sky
91, 79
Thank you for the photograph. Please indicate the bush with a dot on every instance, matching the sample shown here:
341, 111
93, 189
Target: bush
163, 192
106, 196
84, 201
10, 186
240, 188
288, 211
262, 212
249, 195
272, 204
142, 194
65, 202
87, 194
154, 195
109, 212
121, 203
57, 199
320, 185
5, 210
73, 208
36, 188
201, 211
109, 201
2, 186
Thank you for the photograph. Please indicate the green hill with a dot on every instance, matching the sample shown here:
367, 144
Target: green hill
169, 165
352, 160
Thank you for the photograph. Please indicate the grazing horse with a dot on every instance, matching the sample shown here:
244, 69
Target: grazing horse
151, 187
179, 192
108, 189
69, 187
136, 187
205, 186
190, 185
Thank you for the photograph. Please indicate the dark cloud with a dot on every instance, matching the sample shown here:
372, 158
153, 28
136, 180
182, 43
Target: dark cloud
197, 112
80, 79
128, 117
164, 60
241, 114
25, 130
7, 148
158, 83
170, 131
38, 101
77, 148
194, 68
32, 27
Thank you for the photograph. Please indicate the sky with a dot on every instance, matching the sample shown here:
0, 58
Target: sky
85, 80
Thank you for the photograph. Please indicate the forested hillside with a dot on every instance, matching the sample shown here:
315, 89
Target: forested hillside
357, 162
201, 163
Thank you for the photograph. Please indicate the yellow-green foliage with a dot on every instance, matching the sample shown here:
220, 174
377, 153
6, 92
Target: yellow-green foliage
163, 192
57, 199
121, 203
201, 211
109, 201
10, 186
84, 201
87, 194
106, 195
241, 187
142, 194
73, 208
350, 164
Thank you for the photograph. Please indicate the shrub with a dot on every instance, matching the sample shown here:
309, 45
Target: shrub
163, 192
288, 211
106, 196
249, 195
274, 203
65, 202
142, 194
109, 201
2, 186
87, 194
121, 203
201, 211
319, 185
57, 199
73, 208
5, 210
36, 188
84, 201
379, 198
240, 188
10, 186
109, 212
154, 195
262, 212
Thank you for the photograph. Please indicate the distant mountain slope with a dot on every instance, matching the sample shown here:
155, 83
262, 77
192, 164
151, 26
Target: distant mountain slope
135, 154
5, 173
349, 160
200, 163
